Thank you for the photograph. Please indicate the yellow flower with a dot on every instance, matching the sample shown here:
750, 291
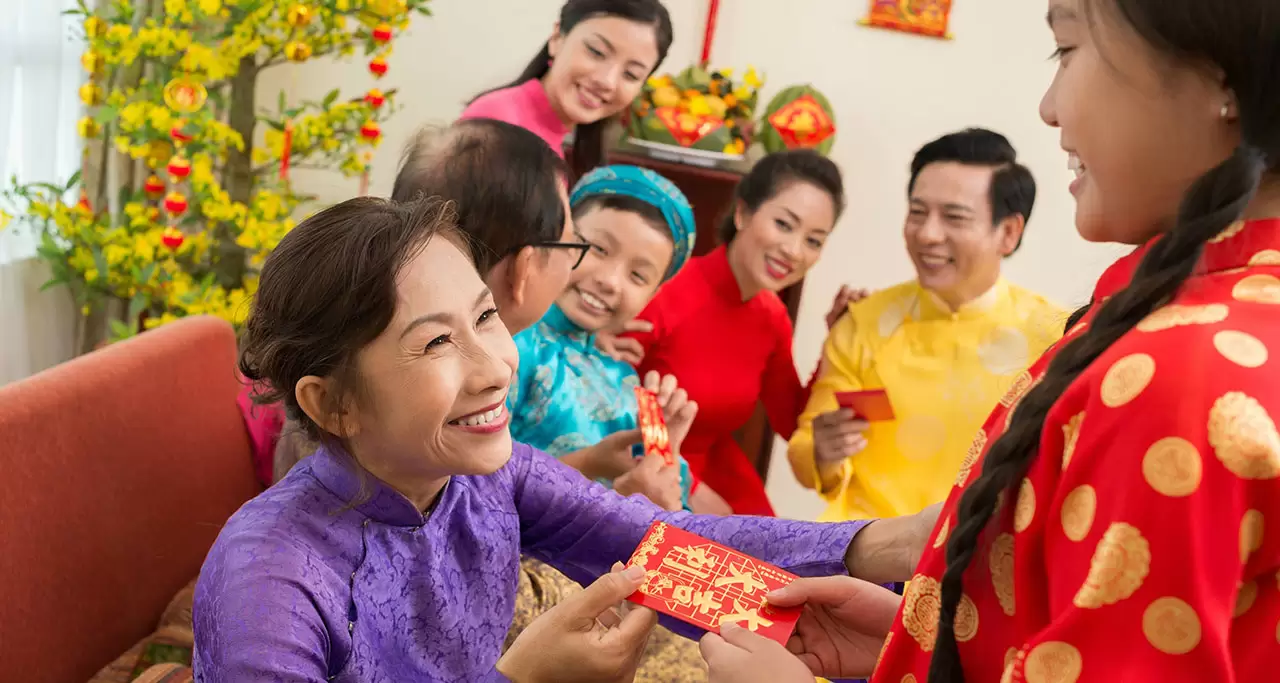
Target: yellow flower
753, 79
699, 106
210, 7
161, 119
5, 217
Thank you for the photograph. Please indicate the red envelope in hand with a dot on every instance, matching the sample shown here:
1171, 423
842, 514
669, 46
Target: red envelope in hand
653, 427
872, 405
707, 584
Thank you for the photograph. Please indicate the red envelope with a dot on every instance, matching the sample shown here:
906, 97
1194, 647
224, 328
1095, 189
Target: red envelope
653, 427
707, 584
872, 405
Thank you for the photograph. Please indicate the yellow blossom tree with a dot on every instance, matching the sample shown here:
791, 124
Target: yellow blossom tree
182, 195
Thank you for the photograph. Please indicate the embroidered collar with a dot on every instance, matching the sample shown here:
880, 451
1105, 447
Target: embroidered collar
339, 473
1243, 244
560, 325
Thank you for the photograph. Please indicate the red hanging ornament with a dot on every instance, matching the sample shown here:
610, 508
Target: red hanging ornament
154, 187
382, 33
83, 205
378, 67
175, 203
172, 237
177, 133
370, 131
286, 151
179, 168
374, 98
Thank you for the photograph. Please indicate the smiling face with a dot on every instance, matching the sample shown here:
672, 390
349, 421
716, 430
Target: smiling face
433, 385
599, 67
779, 242
1138, 129
627, 261
949, 234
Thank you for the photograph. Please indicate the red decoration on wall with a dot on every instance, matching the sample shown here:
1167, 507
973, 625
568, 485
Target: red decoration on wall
923, 17
154, 187
179, 168
378, 67
707, 38
382, 33
374, 98
175, 203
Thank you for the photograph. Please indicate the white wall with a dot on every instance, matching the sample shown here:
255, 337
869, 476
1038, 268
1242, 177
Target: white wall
892, 92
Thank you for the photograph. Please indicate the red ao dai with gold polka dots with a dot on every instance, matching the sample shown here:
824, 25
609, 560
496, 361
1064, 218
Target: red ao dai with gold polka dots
1144, 542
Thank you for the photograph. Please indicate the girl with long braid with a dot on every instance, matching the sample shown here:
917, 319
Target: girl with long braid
1118, 517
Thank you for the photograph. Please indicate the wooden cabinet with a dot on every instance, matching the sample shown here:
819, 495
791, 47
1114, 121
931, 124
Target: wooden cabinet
710, 191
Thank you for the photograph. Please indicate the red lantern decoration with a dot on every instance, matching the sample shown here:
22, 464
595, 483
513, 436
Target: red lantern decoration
175, 203
172, 237
374, 98
382, 33
154, 186
179, 168
370, 131
378, 67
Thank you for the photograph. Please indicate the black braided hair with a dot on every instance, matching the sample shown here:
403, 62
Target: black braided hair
1245, 42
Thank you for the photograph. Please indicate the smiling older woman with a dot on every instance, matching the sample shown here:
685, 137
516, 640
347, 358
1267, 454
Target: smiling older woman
392, 553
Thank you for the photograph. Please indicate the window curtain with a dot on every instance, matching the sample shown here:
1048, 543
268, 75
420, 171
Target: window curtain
39, 76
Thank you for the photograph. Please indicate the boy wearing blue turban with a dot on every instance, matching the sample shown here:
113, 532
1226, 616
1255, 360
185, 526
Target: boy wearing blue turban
569, 394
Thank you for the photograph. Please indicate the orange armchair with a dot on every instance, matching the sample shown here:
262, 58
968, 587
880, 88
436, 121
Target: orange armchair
119, 469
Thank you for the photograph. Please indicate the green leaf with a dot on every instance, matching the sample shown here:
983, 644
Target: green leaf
119, 330
330, 98
53, 282
148, 272
280, 102
106, 114
100, 262
73, 180
140, 302
276, 125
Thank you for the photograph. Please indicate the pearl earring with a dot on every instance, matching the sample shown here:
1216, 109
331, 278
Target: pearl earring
1225, 111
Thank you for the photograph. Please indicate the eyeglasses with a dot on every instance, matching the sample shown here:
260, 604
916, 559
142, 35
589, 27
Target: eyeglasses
582, 247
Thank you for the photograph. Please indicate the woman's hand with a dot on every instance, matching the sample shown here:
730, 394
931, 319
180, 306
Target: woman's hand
843, 626
590, 637
677, 410
624, 349
705, 501
610, 458
737, 655
837, 435
840, 305
655, 480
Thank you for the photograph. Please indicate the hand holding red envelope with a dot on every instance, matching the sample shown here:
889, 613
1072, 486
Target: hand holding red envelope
872, 405
708, 585
653, 427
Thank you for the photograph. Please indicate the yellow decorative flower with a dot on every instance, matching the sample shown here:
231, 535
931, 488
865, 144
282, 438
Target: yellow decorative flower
753, 79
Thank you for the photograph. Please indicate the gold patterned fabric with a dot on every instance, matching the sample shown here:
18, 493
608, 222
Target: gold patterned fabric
1143, 540
668, 658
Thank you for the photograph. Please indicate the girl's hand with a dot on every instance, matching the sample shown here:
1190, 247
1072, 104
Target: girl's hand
655, 480
590, 637
737, 655
677, 410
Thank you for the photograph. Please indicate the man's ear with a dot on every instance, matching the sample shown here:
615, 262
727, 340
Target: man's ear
1011, 229
332, 413
520, 274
